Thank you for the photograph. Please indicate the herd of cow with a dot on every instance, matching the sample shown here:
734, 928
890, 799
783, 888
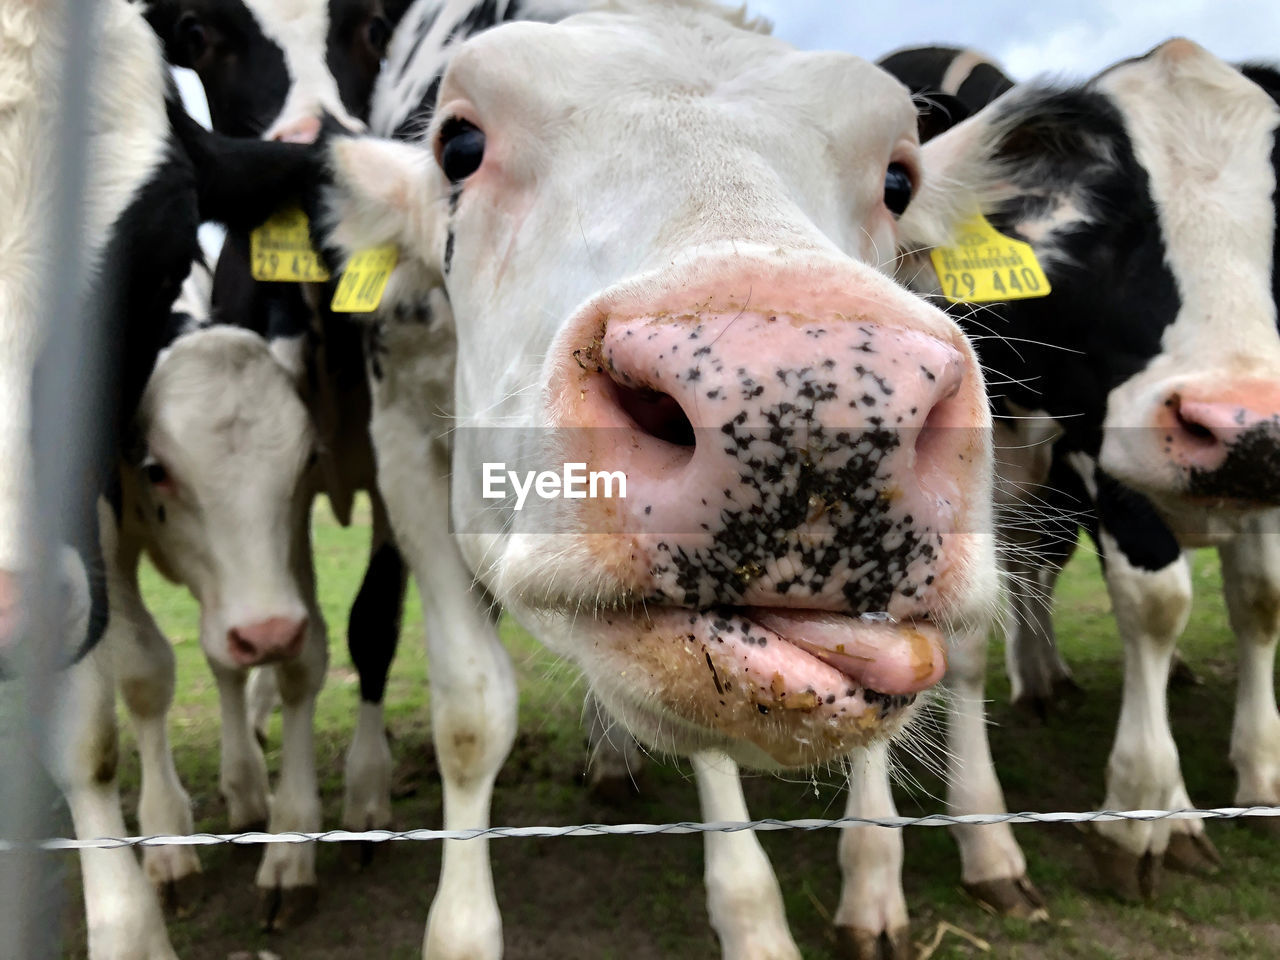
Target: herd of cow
645, 236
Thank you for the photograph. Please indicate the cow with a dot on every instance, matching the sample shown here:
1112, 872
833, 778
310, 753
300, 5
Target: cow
153, 176
1149, 196
279, 71
216, 490
651, 241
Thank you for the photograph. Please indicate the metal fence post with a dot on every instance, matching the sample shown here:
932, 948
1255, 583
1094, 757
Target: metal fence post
31, 882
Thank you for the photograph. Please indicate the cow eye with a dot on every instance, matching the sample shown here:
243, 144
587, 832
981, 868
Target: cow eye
461, 149
378, 33
897, 188
191, 38
157, 475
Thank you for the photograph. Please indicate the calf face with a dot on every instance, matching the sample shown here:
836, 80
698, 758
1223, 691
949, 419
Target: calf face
662, 243
273, 68
222, 490
1149, 196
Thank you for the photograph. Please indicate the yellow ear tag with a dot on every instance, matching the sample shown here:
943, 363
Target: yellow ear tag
984, 266
280, 250
364, 280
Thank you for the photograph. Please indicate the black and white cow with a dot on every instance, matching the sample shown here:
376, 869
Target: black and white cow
950, 84
1149, 195
279, 70
153, 176
637, 239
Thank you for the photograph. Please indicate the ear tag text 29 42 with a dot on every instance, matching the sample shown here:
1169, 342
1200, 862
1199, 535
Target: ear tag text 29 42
280, 250
984, 266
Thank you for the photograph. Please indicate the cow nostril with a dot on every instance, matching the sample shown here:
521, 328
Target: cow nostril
657, 414
240, 645
1196, 431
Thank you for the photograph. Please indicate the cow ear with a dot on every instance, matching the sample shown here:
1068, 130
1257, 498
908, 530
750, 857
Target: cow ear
956, 173
385, 192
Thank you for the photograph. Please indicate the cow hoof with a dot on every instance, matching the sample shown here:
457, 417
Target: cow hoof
280, 908
1125, 875
856, 944
1192, 853
1010, 897
612, 789
182, 896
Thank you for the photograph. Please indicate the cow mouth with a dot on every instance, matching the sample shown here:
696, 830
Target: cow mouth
804, 685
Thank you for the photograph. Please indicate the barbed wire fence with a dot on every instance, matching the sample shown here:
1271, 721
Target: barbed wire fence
766, 824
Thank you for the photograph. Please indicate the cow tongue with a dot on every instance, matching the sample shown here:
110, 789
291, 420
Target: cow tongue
879, 654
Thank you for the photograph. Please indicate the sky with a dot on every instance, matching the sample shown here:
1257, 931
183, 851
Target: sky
1030, 38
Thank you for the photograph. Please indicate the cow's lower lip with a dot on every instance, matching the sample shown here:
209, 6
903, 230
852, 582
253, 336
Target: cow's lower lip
814, 660
759, 682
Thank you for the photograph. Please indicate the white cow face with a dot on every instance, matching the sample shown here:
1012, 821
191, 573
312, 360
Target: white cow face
664, 243
223, 491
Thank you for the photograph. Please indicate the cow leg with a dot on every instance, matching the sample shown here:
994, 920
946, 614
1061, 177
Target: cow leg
242, 777
1251, 582
473, 715
124, 918
613, 757
1151, 608
993, 868
1038, 676
144, 668
264, 697
743, 897
372, 633
871, 921
287, 877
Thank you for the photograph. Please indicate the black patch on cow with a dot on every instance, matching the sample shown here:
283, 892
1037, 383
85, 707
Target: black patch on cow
1142, 536
1250, 472
243, 72
922, 70
1113, 293
983, 85
374, 625
936, 113
448, 249
353, 62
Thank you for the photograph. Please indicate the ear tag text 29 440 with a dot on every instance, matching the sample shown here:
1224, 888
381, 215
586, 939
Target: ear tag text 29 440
364, 280
984, 266
280, 250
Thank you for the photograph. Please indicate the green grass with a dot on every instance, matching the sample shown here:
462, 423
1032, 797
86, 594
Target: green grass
642, 897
